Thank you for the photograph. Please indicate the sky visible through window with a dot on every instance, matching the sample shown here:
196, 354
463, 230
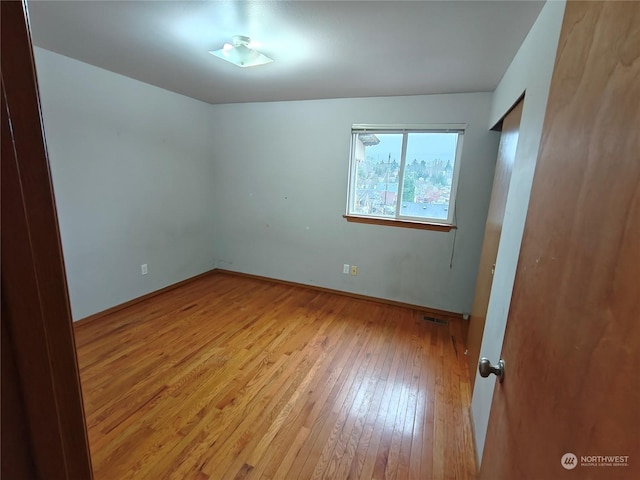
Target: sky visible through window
422, 146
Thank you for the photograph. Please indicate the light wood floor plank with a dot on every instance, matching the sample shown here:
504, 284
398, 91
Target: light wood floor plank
229, 377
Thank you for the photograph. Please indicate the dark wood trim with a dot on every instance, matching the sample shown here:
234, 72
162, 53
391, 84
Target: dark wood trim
16, 453
442, 314
35, 304
136, 300
394, 222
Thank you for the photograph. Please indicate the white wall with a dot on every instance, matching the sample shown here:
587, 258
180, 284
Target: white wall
281, 187
132, 175
530, 72
143, 175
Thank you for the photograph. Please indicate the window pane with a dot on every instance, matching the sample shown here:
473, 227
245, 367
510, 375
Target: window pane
377, 169
428, 175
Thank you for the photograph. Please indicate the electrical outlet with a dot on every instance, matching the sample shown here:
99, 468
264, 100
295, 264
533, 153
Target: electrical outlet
345, 268
143, 269
354, 270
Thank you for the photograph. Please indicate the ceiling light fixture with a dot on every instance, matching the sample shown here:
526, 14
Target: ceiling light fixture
240, 53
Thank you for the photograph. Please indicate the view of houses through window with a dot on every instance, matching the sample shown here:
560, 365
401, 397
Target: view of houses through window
404, 174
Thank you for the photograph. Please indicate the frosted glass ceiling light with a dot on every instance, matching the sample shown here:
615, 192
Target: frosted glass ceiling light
240, 53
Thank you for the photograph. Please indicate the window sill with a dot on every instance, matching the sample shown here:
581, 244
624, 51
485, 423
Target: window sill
392, 222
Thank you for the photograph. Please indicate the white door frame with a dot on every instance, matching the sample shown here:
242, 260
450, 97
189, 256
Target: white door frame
530, 72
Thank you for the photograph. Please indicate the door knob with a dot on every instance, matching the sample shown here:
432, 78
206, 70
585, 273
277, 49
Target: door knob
485, 368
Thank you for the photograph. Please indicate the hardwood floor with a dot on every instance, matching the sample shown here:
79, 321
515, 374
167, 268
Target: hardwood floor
231, 377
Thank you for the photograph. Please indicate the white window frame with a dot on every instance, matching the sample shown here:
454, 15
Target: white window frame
405, 130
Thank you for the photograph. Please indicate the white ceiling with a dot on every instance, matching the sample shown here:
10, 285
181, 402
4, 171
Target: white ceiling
322, 49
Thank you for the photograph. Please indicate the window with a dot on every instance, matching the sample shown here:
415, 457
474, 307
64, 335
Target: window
403, 174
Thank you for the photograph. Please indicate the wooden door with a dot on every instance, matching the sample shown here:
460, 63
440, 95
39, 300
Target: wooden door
43, 429
572, 343
492, 232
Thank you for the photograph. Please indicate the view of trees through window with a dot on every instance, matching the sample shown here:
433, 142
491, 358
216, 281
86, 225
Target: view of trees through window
421, 180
